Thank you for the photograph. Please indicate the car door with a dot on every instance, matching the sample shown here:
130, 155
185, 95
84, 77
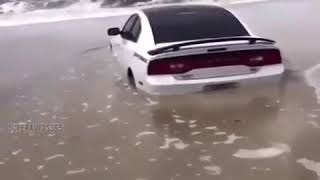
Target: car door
123, 43
131, 50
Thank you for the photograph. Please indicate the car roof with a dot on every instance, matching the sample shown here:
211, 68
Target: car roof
173, 23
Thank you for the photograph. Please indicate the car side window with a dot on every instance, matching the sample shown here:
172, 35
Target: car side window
128, 26
136, 30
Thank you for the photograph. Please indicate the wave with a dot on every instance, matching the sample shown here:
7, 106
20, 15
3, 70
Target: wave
312, 78
22, 12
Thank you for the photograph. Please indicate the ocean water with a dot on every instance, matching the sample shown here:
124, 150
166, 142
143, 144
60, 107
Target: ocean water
12, 14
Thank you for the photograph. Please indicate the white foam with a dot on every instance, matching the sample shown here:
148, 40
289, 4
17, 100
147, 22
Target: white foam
22, 123
14, 7
192, 125
26, 160
220, 133
110, 157
60, 143
109, 96
70, 172
213, 170
64, 118
253, 168
192, 121
44, 176
145, 133
245, 1
230, 139
180, 121
198, 142
40, 167
263, 153
84, 106
138, 143
152, 160
44, 113
81, 10
54, 156
93, 125
312, 77
16, 152
177, 143
175, 116
107, 148
312, 115
211, 128
114, 120
195, 133
180, 145
314, 124
311, 165
205, 158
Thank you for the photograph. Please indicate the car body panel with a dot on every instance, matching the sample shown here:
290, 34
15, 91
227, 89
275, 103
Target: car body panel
168, 85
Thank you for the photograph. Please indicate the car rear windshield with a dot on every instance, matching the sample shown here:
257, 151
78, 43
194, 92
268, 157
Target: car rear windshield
182, 23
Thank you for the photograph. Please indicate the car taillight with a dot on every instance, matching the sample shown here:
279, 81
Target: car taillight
183, 64
264, 57
167, 66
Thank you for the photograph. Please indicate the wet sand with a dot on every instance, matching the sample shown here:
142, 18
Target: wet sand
64, 73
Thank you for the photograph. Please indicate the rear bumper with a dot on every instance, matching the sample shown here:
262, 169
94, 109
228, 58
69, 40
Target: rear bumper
168, 85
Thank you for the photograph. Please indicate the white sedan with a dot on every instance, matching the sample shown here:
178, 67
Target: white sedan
185, 48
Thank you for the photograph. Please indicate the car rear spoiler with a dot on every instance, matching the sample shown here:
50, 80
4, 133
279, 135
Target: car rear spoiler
176, 47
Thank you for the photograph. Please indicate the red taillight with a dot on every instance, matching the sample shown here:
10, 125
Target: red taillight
183, 64
167, 66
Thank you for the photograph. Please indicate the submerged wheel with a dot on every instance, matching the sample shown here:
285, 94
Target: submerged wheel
131, 79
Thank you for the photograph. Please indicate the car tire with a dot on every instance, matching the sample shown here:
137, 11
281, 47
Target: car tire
131, 79
110, 47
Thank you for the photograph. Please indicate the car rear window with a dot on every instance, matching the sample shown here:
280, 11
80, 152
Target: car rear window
181, 23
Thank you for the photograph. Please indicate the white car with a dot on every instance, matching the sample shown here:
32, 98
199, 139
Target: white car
178, 49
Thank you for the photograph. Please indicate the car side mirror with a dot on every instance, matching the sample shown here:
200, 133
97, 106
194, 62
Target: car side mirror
114, 31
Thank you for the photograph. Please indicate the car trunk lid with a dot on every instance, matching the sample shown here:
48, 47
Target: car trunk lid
214, 61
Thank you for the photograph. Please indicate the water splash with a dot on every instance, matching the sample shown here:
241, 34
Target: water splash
263, 153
